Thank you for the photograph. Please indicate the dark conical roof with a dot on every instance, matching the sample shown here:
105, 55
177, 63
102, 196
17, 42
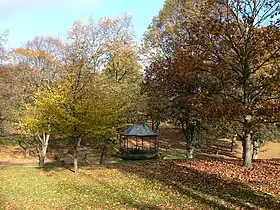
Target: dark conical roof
140, 129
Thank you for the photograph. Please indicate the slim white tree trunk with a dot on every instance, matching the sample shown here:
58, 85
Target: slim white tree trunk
43, 149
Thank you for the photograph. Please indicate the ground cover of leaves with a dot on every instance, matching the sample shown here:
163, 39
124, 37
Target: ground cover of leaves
198, 184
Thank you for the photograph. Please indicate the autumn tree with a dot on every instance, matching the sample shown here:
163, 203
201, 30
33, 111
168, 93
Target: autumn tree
242, 48
6, 96
3, 50
122, 56
6, 84
76, 109
173, 79
180, 96
235, 43
40, 59
106, 48
33, 121
37, 64
85, 99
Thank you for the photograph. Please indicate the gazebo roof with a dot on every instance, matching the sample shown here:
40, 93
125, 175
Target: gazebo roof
140, 129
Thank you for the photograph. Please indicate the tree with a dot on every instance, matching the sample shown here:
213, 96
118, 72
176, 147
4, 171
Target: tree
104, 48
85, 98
35, 120
41, 59
7, 82
235, 43
6, 97
174, 79
123, 69
242, 45
181, 96
3, 50
38, 65
68, 110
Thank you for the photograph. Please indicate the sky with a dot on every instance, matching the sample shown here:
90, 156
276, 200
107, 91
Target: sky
26, 19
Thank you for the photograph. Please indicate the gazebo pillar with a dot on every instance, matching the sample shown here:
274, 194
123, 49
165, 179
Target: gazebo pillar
126, 142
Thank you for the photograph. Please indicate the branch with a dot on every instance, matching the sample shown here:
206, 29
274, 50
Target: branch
257, 94
265, 61
41, 140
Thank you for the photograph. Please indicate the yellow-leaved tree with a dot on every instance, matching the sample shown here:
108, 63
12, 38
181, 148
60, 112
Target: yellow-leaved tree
98, 74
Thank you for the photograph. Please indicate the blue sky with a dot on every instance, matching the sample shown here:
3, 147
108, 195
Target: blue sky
29, 18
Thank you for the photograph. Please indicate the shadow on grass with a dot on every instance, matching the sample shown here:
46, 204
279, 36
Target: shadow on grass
139, 205
57, 166
54, 166
49, 167
219, 147
208, 189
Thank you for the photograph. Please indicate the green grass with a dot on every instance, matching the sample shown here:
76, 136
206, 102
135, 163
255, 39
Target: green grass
96, 188
165, 184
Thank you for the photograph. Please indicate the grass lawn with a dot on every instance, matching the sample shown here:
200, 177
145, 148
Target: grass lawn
95, 188
210, 182
205, 184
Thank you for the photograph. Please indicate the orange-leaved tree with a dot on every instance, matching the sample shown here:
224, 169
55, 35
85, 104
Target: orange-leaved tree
235, 43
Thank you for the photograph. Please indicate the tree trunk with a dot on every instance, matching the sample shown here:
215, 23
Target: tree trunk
75, 158
243, 148
2, 131
157, 124
185, 132
41, 160
103, 155
25, 147
27, 153
247, 145
153, 124
190, 152
256, 151
247, 141
191, 140
233, 143
189, 132
43, 150
76, 153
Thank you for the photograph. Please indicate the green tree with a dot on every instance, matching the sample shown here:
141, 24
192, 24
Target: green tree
86, 99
